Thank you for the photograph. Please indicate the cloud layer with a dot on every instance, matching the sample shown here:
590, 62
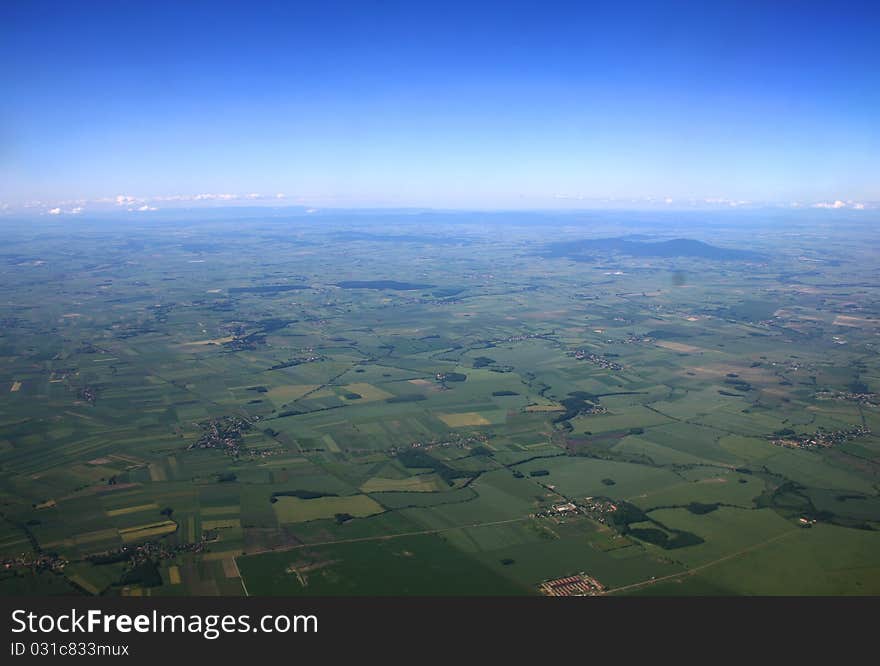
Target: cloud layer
148, 204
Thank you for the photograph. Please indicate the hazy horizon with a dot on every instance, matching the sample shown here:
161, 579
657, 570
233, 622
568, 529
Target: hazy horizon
645, 105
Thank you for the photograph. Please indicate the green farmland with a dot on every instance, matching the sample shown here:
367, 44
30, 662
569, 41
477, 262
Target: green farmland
392, 407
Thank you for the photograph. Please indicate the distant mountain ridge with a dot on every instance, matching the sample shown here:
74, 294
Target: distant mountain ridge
678, 247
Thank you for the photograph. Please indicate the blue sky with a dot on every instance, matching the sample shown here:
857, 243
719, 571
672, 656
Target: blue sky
472, 105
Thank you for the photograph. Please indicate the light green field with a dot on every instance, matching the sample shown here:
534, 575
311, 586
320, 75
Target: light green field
420, 484
296, 510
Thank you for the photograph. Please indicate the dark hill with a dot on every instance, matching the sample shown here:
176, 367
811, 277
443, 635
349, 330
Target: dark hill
679, 247
392, 285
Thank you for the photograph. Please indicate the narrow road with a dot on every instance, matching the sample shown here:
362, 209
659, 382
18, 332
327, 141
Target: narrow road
383, 537
691, 572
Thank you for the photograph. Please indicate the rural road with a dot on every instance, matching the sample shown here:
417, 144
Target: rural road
691, 572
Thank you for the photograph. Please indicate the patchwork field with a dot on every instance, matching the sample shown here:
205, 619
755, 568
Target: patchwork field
404, 406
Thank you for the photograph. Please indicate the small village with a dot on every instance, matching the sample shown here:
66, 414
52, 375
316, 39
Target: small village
820, 438
454, 439
35, 562
225, 433
596, 359
598, 508
595, 508
579, 585
529, 336
865, 399
298, 360
152, 550
633, 339
88, 393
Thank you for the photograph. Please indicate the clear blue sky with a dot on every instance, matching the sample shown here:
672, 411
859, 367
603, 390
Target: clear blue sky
514, 105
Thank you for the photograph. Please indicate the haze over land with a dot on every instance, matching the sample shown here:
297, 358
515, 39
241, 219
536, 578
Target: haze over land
285, 406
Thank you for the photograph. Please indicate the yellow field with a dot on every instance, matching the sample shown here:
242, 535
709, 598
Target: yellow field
229, 568
545, 408
98, 535
332, 446
190, 523
414, 484
220, 524
280, 394
463, 419
174, 575
856, 322
368, 392
132, 509
679, 347
221, 510
13, 542
86, 585
157, 472
129, 534
148, 526
760, 376
15, 387
215, 341
220, 555
296, 510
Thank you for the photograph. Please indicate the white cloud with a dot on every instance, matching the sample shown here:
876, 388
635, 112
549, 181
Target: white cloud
76, 210
722, 201
202, 197
205, 196
215, 197
838, 204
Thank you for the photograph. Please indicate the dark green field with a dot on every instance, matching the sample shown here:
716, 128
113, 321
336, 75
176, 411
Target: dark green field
421, 565
216, 407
